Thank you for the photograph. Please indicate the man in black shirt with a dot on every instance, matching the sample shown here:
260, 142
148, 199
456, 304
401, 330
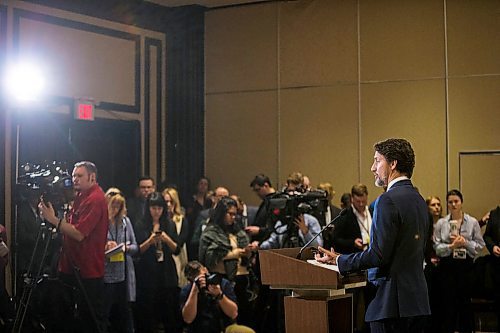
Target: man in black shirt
260, 230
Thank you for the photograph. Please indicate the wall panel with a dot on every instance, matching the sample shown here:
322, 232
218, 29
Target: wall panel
401, 39
325, 52
473, 118
318, 135
243, 139
401, 48
411, 110
241, 52
473, 37
481, 194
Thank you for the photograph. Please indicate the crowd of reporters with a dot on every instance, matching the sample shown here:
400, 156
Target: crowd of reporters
195, 268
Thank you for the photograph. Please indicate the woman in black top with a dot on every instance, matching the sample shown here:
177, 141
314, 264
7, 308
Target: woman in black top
157, 290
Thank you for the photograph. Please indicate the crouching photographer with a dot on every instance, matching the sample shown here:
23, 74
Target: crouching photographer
208, 302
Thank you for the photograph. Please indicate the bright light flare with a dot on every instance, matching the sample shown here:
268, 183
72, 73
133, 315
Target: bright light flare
24, 81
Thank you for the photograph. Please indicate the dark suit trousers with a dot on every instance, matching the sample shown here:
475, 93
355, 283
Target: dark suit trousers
399, 325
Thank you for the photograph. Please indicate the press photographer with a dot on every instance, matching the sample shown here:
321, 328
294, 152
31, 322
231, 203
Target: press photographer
81, 264
208, 303
291, 215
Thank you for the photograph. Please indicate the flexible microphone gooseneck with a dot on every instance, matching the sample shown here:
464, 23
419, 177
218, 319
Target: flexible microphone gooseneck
342, 213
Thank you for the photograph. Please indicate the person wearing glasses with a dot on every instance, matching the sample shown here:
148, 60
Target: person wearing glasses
224, 249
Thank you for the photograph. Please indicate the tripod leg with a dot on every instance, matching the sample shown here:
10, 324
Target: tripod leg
31, 281
97, 321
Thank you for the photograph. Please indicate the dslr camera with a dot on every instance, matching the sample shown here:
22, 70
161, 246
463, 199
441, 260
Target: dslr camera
210, 279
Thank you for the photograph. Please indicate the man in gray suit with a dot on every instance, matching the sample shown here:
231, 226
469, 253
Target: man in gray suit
398, 235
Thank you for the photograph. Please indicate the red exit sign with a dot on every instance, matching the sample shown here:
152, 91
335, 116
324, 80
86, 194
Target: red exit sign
84, 110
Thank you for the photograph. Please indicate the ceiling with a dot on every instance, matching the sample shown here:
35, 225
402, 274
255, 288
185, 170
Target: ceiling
204, 3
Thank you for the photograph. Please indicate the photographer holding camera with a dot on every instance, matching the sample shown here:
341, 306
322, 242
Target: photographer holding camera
208, 302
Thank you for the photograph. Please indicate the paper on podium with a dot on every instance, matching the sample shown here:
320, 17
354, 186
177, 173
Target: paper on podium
327, 266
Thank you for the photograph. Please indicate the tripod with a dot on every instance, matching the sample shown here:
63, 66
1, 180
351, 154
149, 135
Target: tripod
33, 275
291, 237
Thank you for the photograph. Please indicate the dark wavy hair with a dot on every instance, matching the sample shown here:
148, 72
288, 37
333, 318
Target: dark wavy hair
399, 150
220, 211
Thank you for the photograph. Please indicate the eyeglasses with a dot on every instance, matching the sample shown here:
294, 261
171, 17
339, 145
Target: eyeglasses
256, 189
231, 214
112, 194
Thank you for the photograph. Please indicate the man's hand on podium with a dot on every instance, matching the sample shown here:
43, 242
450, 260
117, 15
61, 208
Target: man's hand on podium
326, 257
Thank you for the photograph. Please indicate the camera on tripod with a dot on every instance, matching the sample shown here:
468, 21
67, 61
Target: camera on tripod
51, 181
286, 206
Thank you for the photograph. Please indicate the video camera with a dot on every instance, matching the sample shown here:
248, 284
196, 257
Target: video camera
286, 206
51, 181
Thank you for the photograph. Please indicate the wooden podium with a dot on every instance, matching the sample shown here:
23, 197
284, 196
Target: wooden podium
319, 302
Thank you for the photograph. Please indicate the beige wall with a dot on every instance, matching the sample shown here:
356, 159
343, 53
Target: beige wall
311, 85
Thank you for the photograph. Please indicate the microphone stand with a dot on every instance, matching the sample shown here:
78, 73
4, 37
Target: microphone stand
342, 213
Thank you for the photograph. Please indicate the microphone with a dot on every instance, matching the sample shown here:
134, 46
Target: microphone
342, 213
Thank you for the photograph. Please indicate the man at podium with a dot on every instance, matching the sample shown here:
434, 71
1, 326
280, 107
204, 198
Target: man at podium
395, 256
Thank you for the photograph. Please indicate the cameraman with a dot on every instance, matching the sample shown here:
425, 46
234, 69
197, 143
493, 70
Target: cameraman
208, 307
307, 225
81, 264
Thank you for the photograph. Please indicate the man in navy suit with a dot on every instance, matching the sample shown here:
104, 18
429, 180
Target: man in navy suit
395, 256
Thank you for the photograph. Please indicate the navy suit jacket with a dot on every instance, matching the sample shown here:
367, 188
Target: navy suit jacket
395, 257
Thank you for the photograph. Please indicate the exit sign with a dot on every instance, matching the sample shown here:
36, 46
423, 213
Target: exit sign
84, 110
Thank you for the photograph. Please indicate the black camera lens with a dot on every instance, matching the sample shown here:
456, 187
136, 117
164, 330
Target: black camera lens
213, 279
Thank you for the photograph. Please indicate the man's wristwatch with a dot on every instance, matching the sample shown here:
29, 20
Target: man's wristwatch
219, 297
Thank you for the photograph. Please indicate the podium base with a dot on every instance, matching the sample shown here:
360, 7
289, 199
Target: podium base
332, 314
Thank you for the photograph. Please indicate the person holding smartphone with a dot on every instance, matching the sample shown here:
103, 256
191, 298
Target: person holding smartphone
224, 249
457, 241
157, 281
